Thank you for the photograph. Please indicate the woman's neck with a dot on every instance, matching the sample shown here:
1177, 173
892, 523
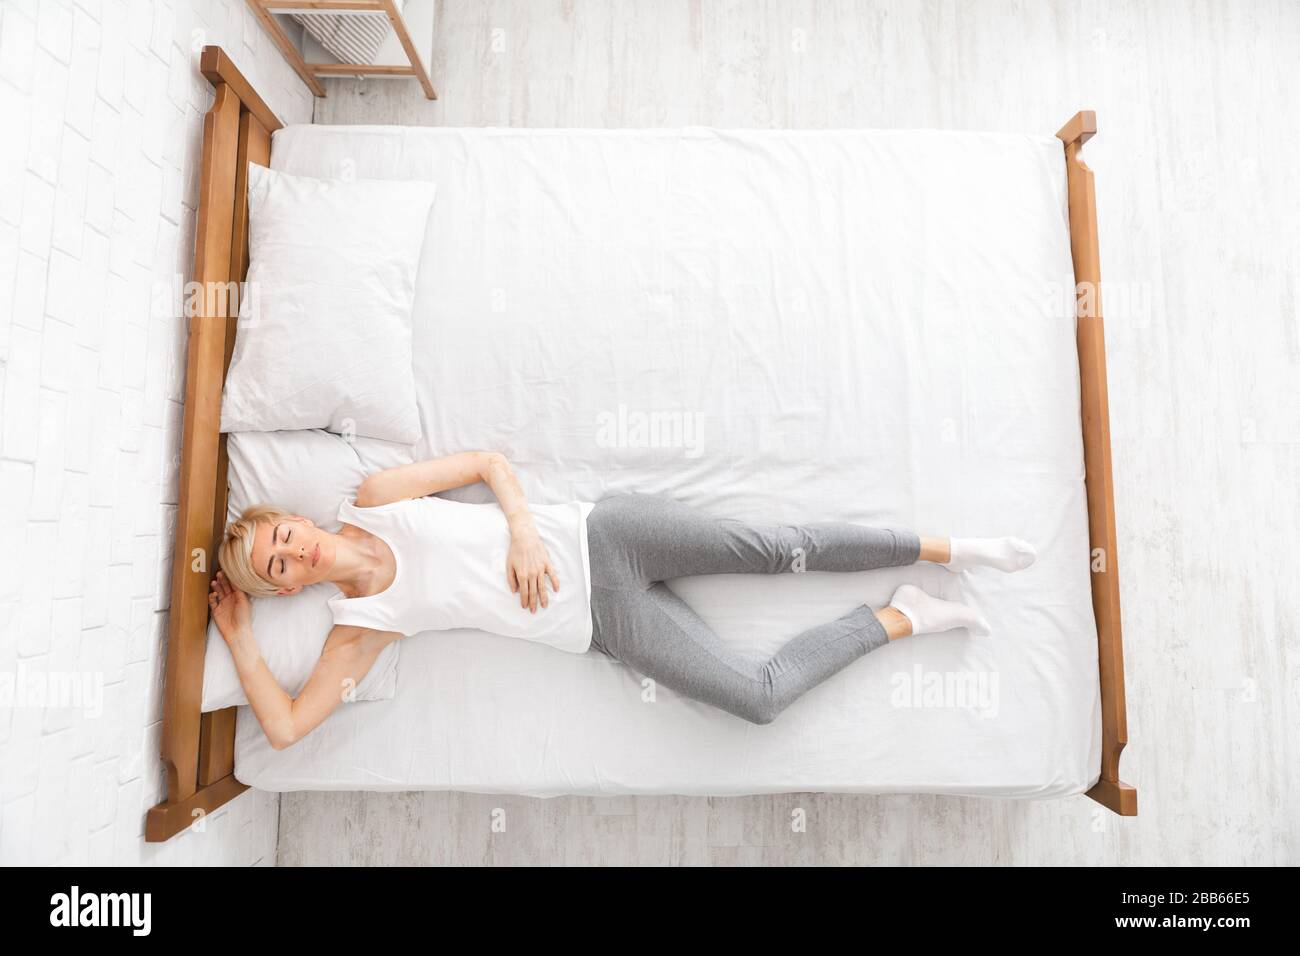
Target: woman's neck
358, 560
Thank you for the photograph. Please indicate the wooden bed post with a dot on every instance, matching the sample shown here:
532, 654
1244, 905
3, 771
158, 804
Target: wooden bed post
1109, 791
198, 748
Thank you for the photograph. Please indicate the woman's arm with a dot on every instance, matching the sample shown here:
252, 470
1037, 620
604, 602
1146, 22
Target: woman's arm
528, 566
437, 474
348, 655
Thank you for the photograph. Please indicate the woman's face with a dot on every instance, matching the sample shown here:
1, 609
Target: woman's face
292, 553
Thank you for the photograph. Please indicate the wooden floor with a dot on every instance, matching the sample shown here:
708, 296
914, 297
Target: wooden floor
1199, 190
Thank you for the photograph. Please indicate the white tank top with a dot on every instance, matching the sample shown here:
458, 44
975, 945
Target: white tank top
451, 571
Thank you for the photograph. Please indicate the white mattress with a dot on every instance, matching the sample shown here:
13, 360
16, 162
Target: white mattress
865, 326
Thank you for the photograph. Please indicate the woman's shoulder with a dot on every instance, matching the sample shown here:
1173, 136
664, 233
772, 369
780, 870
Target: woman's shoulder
362, 520
368, 502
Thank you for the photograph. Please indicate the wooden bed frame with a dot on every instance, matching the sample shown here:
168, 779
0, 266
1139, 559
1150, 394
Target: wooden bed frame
198, 748
1109, 791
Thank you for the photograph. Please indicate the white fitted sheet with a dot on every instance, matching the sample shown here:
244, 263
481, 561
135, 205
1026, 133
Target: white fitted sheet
861, 325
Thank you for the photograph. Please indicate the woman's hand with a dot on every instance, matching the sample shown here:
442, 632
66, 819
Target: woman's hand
231, 609
527, 568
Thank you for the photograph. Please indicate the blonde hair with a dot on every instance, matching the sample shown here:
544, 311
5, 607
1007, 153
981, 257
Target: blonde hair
235, 556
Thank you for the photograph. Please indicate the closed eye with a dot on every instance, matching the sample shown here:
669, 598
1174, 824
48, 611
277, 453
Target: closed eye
270, 562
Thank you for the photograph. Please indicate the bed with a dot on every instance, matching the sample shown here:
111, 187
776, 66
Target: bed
874, 326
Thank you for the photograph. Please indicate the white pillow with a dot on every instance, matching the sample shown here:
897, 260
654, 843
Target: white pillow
324, 335
307, 473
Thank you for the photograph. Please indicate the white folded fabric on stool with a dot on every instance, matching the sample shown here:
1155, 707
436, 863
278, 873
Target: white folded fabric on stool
352, 37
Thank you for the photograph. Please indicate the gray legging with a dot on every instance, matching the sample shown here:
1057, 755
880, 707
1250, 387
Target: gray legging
637, 541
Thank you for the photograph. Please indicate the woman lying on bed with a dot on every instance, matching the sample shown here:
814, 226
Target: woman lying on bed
404, 562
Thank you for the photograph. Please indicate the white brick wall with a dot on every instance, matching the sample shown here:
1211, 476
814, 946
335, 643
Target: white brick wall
101, 107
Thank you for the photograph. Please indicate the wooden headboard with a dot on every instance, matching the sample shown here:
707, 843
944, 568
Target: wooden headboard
198, 749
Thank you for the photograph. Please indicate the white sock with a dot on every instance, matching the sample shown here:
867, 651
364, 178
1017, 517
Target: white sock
929, 615
1005, 554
